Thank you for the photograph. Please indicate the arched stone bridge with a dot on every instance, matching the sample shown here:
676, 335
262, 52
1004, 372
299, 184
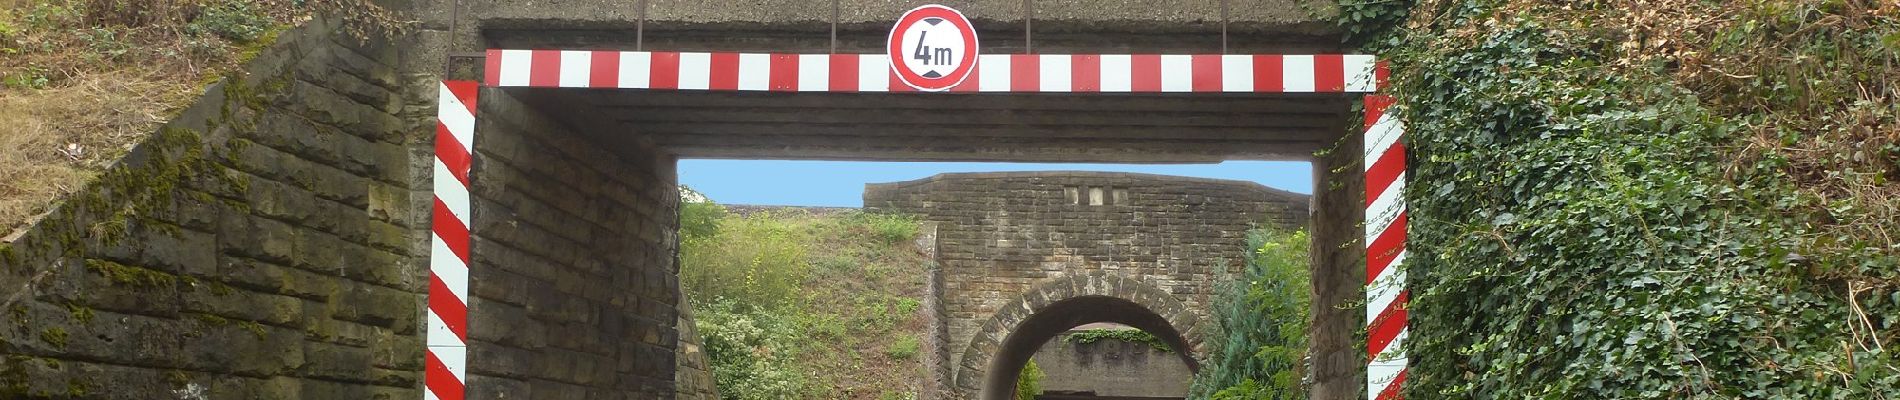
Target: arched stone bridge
1024, 256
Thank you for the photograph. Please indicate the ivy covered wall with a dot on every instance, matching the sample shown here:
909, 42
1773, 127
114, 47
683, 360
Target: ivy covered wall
1648, 199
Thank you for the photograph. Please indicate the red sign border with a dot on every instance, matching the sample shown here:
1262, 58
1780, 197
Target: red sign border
893, 49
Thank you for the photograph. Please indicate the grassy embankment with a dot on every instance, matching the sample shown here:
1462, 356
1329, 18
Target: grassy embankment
794, 305
83, 81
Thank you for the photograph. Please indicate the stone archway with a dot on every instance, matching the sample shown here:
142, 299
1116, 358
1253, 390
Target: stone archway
995, 356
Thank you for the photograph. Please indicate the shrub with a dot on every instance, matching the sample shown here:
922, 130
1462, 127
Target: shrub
904, 348
1029, 383
1259, 334
234, 20
752, 354
1127, 335
756, 261
888, 228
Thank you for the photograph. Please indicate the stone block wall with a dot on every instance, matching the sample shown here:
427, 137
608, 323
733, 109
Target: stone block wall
265, 244
1112, 368
1001, 234
574, 280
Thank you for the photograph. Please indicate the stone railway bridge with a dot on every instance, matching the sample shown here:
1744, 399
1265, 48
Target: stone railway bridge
1024, 256
275, 240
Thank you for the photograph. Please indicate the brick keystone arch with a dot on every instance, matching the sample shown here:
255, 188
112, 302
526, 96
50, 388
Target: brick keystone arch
997, 353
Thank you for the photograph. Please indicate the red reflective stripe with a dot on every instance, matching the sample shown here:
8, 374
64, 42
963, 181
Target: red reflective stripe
464, 92
724, 74
1025, 73
1329, 73
1385, 248
1206, 74
1085, 73
844, 72
784, 73
665, 70
1269, 74
1386, 327
1392, 390
441, 382
605, 69
896, 83
453, 312
1146, 69
450, 152
1382, 73
1384, 172
544, 68
449, 227
1376, 104
969, 83
491, 68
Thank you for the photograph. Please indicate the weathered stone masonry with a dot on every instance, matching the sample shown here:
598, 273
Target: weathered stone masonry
573, 285
1002, 237
262, 245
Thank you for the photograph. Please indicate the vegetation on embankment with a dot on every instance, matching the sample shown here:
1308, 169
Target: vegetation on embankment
1649, 198
793, 305
1258, 340
83, 81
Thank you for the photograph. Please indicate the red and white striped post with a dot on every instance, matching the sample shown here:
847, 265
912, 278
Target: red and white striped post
1386, 293
995, 73
445, 364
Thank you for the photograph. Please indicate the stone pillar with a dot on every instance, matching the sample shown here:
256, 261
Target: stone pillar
1335, 349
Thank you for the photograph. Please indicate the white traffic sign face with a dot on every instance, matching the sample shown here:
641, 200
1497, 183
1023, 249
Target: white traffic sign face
932, 48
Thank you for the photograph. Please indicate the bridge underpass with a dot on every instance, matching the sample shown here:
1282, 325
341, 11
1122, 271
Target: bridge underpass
641, 133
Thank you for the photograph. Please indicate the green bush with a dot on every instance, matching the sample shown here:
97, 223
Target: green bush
888, 228
904, 348
756, 261
1259, 333
1029, 383
752, 354
235, 20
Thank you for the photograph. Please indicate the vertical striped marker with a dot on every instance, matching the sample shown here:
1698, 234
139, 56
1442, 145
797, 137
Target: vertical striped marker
1385, 250
445, 364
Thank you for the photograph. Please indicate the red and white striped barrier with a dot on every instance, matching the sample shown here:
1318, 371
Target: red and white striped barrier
1017, 73
445, 363
1386, 294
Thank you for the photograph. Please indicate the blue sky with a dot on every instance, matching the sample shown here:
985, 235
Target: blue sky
841, 183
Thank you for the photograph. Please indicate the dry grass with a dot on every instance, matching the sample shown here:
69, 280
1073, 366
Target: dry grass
82, 81
59, 138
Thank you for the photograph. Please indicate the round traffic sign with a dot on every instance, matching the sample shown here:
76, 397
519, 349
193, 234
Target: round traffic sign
932, 48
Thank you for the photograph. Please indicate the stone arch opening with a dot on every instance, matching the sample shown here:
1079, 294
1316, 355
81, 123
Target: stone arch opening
996, 355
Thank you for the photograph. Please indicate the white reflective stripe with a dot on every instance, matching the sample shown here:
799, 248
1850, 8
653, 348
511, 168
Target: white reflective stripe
1384, 134
636, 69
1385, 288
1055, 73
994, 75
695, 71
814, 72
515, 66
755, 71
1385, 208
1297, 73
874, 73
455, 116
455, 357
1177, 73
1118, 73
1360, 74
1381, 374
439, 335
1236, 73
445, 265
450, 191
575, 67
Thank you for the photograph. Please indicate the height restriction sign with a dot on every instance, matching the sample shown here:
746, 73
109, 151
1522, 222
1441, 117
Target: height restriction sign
932, 48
